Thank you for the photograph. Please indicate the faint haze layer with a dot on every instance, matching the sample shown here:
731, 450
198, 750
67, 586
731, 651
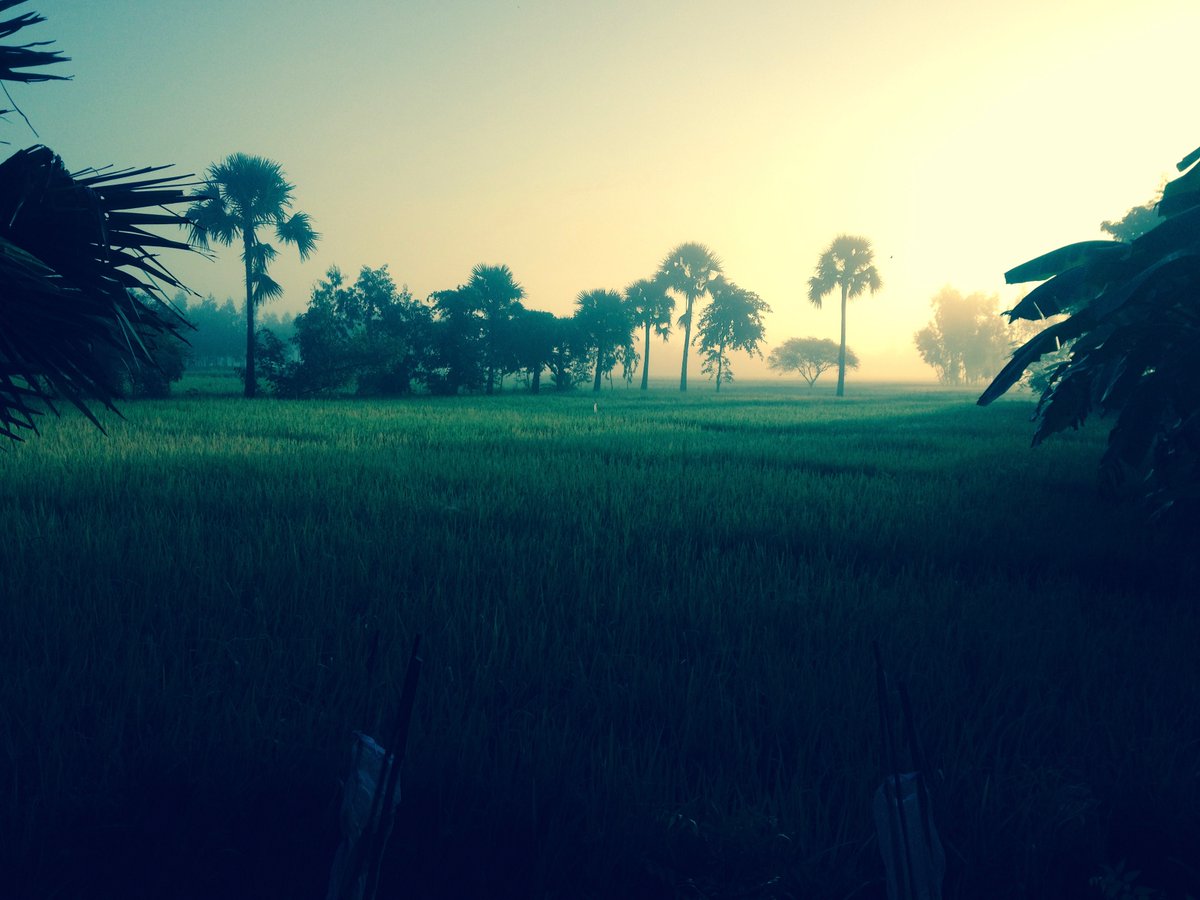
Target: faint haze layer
577, 144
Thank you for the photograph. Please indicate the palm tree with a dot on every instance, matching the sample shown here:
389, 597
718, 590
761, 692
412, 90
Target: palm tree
688, 270
651, 307
605, 324
848, 264
246, 193
499, 295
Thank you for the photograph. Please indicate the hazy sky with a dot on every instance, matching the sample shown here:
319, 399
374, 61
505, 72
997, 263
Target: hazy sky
578, 142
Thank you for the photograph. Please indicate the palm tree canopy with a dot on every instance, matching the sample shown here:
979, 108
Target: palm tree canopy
246, 193
847, 263
79, 264
688, 270
497, 288
15, 58
651, 305
80, 271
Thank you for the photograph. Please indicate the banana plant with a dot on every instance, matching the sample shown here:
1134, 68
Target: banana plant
1133, 313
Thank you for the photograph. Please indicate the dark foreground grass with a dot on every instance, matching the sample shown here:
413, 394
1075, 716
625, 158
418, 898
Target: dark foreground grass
648, 635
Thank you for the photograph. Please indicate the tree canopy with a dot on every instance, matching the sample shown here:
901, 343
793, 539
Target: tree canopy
809, 356
966, 342
606, 327
732, 321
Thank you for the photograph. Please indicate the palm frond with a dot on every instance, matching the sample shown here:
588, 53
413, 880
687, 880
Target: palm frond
14, 58
77, 274
297, 230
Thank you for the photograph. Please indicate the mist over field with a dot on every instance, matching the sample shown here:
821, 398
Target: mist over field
540, 450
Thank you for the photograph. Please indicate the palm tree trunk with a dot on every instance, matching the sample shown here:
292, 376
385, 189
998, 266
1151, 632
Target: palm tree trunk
841, 388
247, 244
537, 381
720, 365
687, 342
599, 363
646, 360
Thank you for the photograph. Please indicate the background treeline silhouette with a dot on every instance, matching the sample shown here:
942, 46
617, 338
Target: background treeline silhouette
371, 337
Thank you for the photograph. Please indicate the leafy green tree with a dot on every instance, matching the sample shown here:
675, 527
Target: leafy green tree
810, 356
966, 342
457, 341
605, 324
498, 294
651, 308
533, 339
1131, 226
218, 339
847, 264
1132, 313
368, 334
688, 270
246, 194
568, 355
732, 321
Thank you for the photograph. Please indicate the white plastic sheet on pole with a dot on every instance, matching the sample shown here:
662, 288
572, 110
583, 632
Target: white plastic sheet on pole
912, 851
358, 796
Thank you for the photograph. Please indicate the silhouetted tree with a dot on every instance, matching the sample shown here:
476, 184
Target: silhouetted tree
79, 270
219, 338
245, 194
534, 336
458, 341
732, 321
605, 325
809, 356
498, 293
651, 307
1132, 313
1131, 226
568, 356
848, 264
688, 270
966, 342
368, 334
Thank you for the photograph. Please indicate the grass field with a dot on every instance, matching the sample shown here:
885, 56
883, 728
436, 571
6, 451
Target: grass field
648, 639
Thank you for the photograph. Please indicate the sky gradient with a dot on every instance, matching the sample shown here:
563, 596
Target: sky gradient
577, 143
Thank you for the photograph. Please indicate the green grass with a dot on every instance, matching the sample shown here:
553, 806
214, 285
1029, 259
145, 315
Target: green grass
648, 632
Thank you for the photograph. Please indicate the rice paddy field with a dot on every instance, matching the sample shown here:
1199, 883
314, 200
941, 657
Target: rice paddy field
648, 630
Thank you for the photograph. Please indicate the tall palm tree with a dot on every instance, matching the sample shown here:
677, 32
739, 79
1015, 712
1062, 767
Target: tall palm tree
651, 307
688, 270
499, 295
848, 263
246, 193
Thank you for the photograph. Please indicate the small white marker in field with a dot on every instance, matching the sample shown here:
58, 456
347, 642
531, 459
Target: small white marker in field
596, 407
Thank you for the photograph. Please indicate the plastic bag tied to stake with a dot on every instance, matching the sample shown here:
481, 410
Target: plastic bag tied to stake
912, 851
923, 866
370, 797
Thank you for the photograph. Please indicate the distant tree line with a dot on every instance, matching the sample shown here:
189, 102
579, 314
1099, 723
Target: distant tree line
374, 338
